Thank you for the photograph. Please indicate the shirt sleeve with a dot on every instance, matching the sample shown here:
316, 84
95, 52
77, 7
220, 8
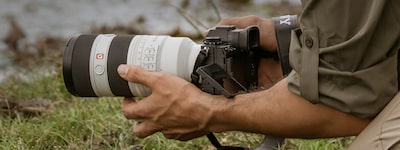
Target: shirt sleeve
346, 56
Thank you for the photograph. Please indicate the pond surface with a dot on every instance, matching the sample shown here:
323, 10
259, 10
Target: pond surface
40, 18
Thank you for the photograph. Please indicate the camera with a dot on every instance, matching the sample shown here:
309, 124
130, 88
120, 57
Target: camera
225, 63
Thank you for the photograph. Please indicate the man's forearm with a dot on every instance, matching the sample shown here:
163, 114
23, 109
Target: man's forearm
277, 111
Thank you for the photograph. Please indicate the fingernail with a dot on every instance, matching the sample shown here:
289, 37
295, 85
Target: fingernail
122, 69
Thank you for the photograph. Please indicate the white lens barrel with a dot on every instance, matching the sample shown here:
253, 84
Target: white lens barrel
98, 65
173, 55
143, 51
91, 61
178, 56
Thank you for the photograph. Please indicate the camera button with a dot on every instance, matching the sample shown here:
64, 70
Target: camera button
99, 69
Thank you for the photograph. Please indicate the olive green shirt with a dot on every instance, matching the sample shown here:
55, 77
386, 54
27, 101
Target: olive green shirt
346, 56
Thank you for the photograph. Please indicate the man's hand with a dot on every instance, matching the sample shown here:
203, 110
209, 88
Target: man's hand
181, 111
269, 71
176, 107
266, 27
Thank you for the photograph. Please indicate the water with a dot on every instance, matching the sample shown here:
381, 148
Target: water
40, 18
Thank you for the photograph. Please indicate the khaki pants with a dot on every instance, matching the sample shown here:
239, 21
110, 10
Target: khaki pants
383, 132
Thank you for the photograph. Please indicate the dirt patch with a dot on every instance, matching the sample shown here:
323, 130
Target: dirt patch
28, 108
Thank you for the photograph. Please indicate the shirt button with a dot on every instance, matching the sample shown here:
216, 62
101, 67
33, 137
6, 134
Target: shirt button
309, 42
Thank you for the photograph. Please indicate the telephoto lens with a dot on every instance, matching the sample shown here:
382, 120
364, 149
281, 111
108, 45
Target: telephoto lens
90, 62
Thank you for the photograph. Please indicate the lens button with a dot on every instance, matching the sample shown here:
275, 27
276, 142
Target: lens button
99, 69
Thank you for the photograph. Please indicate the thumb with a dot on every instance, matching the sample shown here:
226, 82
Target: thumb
137, 74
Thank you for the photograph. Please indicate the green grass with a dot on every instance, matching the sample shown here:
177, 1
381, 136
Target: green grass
97, 123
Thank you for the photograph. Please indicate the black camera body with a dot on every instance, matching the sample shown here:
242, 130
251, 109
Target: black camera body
227, 63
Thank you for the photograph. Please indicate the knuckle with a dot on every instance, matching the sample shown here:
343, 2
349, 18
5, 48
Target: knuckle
253, 17
226, 21
139, 134
222, 21
127, 114
131, 112
142, 130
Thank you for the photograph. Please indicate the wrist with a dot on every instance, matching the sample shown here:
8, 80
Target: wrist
220, 120
230, 114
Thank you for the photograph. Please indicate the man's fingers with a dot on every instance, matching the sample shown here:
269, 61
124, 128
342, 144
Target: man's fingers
130, 109
240, 22
145, 129
137, 74
138, 111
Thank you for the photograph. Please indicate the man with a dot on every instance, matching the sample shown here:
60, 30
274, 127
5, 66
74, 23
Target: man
344, 60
